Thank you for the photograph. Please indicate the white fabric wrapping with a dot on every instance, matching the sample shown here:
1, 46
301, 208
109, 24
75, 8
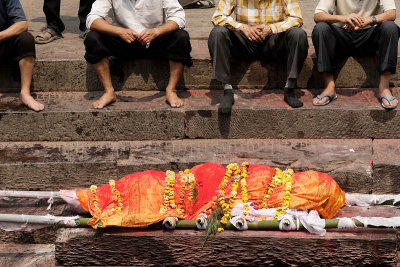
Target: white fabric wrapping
379, 221
288, 223
365, 200
50, 201
202, 217
72, 199
313, 223
310, 220
239, 222
346, 223
255, 214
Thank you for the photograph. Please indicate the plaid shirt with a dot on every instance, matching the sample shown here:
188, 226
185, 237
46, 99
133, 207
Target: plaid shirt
280, 15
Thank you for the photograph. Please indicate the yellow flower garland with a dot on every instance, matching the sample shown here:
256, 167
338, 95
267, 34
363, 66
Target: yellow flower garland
116, 197
95, 200
187, 180
243, 185
280, 178
169, 192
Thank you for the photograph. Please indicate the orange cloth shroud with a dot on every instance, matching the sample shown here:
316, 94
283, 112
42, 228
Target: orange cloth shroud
143, 194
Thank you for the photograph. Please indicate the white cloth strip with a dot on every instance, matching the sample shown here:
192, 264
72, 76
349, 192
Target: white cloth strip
365, 200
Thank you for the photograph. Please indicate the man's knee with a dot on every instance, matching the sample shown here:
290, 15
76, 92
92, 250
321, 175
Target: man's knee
25, 39
320, 28
298, 35
92, 40
389, 28
219, 32
181, 35
182, 38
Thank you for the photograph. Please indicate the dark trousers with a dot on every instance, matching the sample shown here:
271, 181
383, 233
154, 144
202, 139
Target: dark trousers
17, 47
175, 46
224, 43
51, 9
332, 42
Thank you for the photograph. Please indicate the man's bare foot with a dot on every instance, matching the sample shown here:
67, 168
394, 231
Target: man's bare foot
106, 99
173, 99
31, 103
386, 93
327, 91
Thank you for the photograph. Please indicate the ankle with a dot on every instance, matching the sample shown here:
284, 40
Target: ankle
109, 91
25, 93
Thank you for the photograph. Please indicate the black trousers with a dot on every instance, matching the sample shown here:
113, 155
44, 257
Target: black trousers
224, 43
17, 47
175, 46
51, 9
331, 42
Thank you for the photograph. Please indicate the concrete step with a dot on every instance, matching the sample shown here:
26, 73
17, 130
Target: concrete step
144, 115
25, 255
185, 247
358, 165
76, 75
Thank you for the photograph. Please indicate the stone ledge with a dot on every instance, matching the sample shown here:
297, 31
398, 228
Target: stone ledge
27, 255
184, 248
81, 164
77, 75
144, 115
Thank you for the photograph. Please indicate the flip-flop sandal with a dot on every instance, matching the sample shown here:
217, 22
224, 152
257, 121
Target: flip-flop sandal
46, 39
331, 98
201, 4
388, 100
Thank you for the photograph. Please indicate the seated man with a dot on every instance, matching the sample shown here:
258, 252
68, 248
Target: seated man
141, 29
356, 28
18, 46
257, 29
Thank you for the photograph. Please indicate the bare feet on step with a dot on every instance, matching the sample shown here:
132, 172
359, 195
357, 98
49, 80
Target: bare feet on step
31, 103
106, 99
173, 99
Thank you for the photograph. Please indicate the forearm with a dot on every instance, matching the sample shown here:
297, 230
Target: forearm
389, 15
328, 18
15, 29
102, 26
167, 28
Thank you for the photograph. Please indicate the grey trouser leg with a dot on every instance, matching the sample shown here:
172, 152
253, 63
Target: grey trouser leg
292, 44
223, 43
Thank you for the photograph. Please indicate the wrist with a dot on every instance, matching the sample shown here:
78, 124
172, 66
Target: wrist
372, 20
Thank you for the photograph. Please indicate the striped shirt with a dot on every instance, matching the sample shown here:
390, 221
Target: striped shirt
280, 15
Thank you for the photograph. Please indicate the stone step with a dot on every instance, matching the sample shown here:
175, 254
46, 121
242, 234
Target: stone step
77, 75
185, 247
358, 165
144, 115
27, 255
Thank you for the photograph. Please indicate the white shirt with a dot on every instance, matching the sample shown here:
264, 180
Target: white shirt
138, 14
363, 8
